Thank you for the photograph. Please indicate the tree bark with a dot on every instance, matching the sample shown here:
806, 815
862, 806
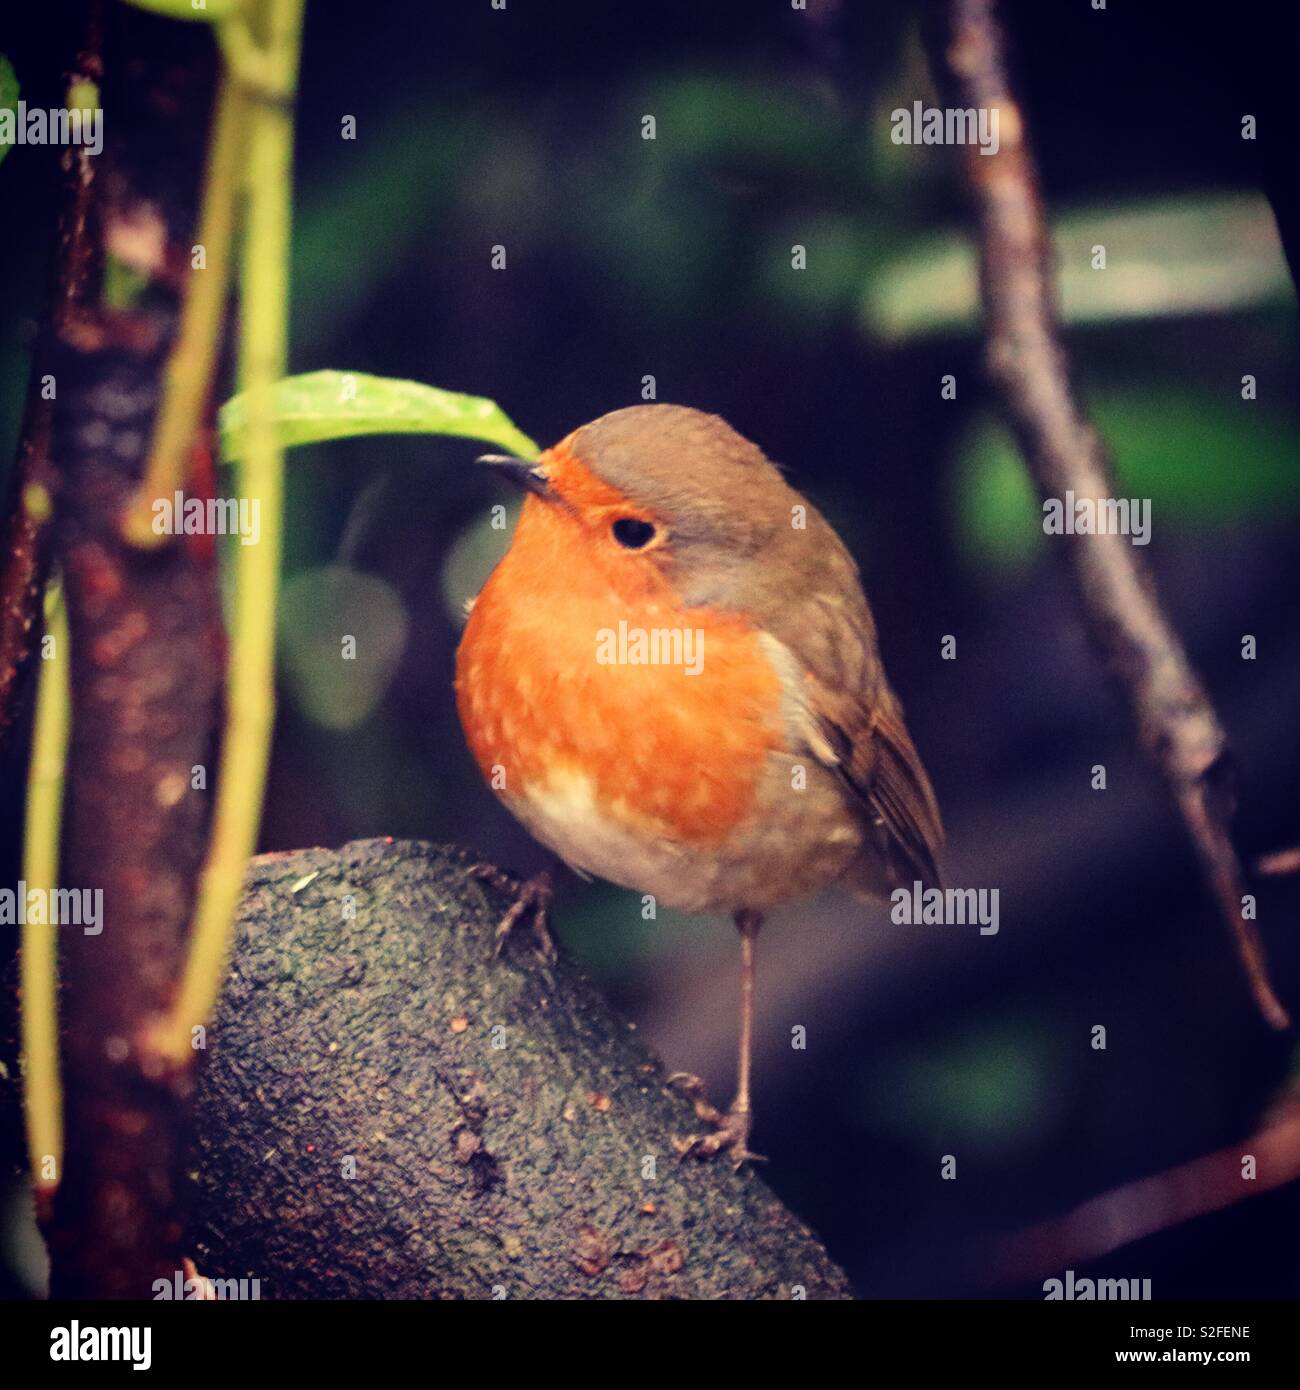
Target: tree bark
147, 648
387, 1111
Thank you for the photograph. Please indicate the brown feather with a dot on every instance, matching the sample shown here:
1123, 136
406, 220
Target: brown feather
853, 714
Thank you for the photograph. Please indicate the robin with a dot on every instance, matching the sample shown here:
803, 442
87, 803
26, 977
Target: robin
672, 679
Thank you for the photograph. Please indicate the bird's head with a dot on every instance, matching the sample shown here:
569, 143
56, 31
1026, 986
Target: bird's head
656, 493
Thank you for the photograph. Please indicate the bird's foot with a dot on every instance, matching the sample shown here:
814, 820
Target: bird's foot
730, 1128
532, 899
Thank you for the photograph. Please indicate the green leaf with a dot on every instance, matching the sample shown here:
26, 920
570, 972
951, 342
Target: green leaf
9, 90
341, 405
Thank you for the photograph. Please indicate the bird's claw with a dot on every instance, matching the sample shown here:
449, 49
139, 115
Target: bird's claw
730, 1128
532, 899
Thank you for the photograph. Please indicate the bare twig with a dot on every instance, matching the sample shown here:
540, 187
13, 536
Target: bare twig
1177, 726
1157, 1203
1282, 861
21, 570
75, 276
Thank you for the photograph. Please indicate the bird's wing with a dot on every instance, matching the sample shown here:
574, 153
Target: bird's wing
851, 719
875, 759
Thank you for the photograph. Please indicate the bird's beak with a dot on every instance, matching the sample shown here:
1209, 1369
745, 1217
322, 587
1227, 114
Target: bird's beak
524, 473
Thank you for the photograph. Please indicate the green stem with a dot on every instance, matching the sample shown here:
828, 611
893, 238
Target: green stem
42, 1098
189, 372
250, 685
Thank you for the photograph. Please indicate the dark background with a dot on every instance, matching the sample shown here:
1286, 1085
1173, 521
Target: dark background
672, 258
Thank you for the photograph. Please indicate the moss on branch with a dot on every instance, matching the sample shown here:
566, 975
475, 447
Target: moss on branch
509, 1136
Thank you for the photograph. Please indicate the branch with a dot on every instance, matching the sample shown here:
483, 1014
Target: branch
386, 1111
74, 279
22, 570
147, 643
1140, 1209
1177, 727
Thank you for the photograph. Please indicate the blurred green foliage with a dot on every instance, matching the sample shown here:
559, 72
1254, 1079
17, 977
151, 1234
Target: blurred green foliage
9, 90
989, 1088
321, 611
1201, 461
1209, 253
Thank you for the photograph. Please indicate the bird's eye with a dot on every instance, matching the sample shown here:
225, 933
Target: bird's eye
633, 534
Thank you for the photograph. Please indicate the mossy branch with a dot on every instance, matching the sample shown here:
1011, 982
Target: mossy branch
388, 1110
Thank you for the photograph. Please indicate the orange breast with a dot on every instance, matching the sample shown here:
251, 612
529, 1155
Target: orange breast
667, 752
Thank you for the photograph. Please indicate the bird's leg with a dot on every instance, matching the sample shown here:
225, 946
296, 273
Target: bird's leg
532, 899
730, 1128
747, 924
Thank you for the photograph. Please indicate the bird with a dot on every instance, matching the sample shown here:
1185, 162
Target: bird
672, 679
